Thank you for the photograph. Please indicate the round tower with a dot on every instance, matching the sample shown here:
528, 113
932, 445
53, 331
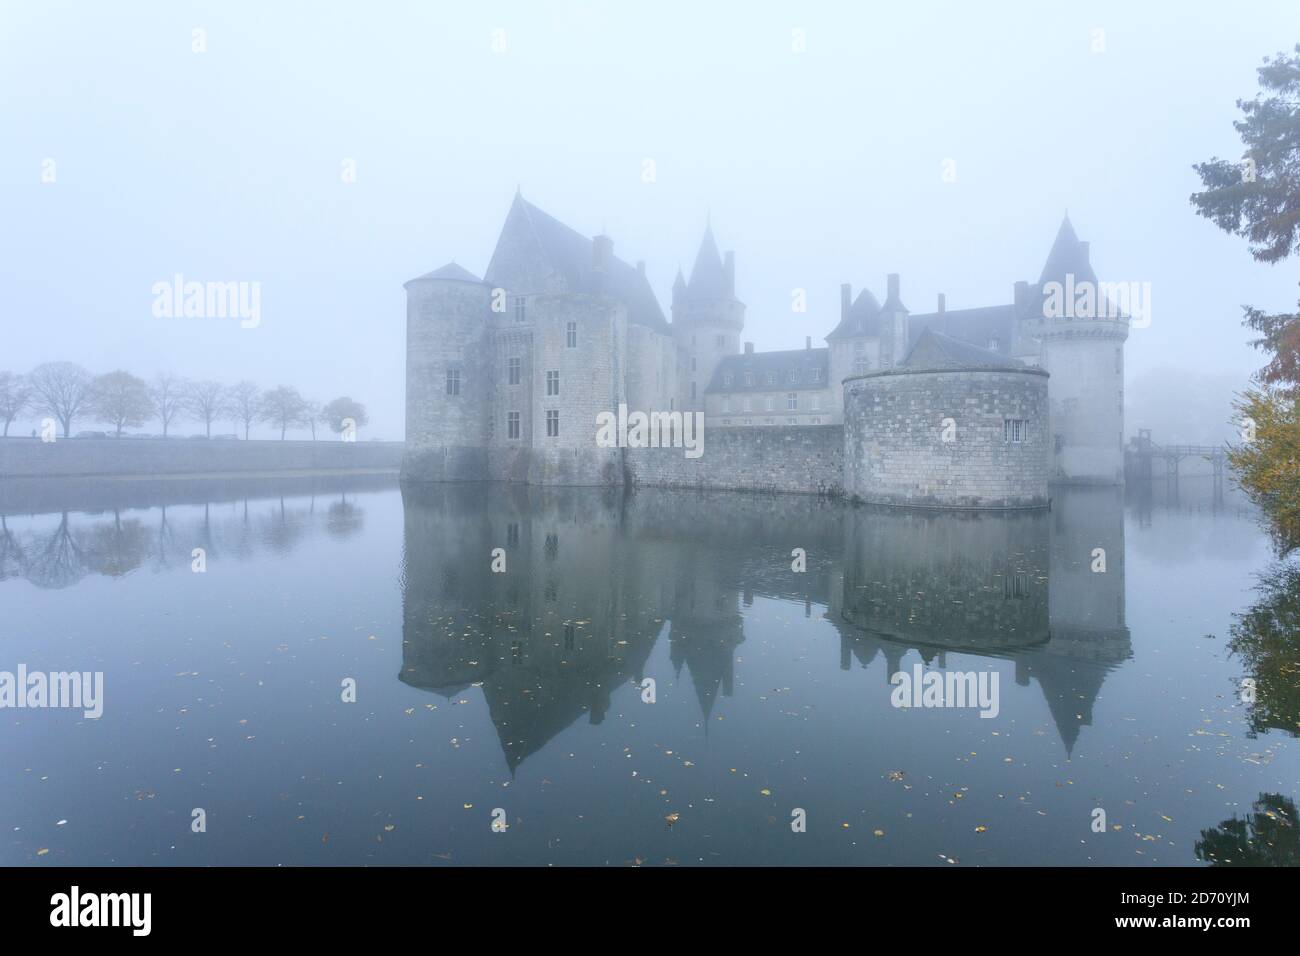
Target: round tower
1082, 332
447, 376
707, 320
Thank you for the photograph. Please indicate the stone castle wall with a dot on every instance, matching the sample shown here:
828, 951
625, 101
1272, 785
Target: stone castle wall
895, 447
802, 459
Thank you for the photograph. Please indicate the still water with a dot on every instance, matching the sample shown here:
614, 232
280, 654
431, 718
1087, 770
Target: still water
648, 680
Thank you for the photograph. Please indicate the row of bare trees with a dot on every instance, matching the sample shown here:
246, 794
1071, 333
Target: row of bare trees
65, 391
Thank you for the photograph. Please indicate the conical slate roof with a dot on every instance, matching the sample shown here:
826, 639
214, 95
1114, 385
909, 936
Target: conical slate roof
708, 277
452, 271
1069, 256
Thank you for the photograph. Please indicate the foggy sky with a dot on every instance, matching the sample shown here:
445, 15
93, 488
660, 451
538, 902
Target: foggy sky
817, 168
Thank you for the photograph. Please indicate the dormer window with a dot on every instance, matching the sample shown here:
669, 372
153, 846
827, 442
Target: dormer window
519, 308
726, 379
794, 376
749, 378
993, 345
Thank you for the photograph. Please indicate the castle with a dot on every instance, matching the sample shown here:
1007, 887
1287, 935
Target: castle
981, 407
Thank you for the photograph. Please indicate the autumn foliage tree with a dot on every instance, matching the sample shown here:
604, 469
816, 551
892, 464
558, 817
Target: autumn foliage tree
1258, 199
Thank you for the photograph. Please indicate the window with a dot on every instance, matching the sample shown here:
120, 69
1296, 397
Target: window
816, 375
512, 424
512, 534
553, 383
571, 335
552, 423
858, 345
794, 376
816, 403
769, 403
749, 421
792, 401
859, 366
722, 341
726, 379
519, 308
791, 421
816, 421
512, 369
993, 345
453, 381
1013, 430
771, 378
726, 421
769, 421
726, 406
749, 378
748, 406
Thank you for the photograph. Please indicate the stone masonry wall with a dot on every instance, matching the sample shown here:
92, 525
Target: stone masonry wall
800, 459
895, 452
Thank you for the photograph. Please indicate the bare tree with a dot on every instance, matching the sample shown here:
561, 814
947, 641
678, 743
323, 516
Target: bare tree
243, 404
338, 413
312, 412
283, 406
120, 399
61, 390
14, 397
167, 395
206, 401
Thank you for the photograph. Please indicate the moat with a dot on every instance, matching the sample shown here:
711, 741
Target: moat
648, 681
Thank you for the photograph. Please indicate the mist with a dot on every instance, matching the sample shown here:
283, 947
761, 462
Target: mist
330, 152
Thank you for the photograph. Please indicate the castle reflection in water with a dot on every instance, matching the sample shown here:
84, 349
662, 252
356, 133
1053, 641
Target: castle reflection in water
594, 578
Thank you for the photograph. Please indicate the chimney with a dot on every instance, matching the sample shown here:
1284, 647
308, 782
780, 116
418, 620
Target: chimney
943, 303
602, 251
807, 342
846, 300
749, 348
893, 286
729, 271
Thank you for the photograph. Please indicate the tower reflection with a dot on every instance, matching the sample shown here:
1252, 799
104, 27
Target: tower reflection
594, 578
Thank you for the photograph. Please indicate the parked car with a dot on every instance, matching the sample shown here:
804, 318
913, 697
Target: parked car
203, 437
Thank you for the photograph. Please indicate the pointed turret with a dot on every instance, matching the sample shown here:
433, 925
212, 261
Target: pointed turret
708, 276
1069, 256
707, 319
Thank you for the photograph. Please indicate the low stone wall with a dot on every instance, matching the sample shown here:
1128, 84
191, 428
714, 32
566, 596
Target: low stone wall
105, 457
801, 459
